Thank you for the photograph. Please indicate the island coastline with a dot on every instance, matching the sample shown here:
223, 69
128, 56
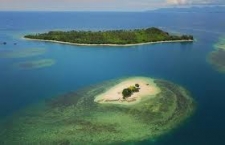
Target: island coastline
110, 45
146, 89
115, 38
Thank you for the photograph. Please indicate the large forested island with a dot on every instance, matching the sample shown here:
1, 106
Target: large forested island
110, 37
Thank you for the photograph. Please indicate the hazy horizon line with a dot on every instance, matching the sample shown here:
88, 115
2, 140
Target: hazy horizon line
174, 7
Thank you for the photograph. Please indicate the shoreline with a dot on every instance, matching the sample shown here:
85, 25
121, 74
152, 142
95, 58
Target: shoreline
111, 45
147, 89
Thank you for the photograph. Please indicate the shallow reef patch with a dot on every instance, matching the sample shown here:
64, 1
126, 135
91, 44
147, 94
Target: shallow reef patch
35, 64
217, 56
75, 118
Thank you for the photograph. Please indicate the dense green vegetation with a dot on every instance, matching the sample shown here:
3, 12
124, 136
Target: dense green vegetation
127, 92
110, 36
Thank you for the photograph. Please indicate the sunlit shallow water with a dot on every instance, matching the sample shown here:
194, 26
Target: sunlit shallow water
75, 118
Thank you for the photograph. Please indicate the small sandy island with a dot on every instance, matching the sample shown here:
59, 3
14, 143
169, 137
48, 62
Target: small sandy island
146, 88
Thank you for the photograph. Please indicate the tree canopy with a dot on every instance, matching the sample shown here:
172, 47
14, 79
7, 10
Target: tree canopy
127, 92
110, 36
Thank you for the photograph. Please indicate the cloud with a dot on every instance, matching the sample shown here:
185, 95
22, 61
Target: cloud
191, 2
177, 2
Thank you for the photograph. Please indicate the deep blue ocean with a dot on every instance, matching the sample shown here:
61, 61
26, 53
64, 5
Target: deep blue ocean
81, 66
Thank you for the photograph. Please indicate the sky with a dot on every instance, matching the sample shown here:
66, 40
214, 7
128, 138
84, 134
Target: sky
100, 5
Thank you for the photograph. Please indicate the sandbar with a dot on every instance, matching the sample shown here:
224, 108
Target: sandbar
114, 95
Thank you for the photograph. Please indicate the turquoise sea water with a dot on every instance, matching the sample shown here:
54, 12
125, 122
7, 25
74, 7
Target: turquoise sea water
80, 66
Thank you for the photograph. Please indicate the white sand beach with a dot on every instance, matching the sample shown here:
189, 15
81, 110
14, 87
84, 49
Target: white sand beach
112, 45
114, 95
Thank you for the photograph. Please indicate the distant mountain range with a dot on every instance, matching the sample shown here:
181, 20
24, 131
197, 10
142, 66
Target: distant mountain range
211, 9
